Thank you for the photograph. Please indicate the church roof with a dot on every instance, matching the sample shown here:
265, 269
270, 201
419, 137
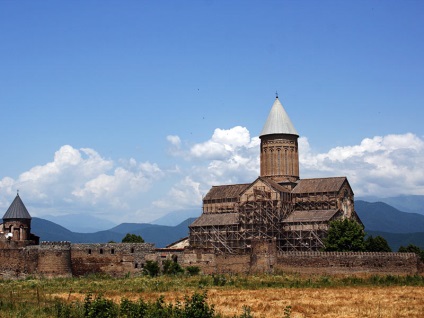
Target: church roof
310, 216
319, 185
226, 191
17, 210
278, 121
215, 219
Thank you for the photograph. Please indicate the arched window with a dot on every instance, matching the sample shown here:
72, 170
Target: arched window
112, 251
101, 251
89, 251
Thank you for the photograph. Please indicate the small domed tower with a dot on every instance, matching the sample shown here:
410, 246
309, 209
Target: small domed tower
17, 221
279, 147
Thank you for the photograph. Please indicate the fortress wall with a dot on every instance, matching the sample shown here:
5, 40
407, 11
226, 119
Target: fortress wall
18, 262
203, 259
264, 259
54, 259
348, 262
115, 259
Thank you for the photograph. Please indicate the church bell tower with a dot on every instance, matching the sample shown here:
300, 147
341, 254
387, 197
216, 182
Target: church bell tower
279, 147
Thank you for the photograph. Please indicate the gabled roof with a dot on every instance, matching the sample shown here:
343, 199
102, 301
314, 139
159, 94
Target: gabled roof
17, 210
310, 216
278, 121
216, 219
225, 191
319, 185
274, 184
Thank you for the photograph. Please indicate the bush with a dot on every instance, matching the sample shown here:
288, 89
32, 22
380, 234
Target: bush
100, 307
171, 268
193, 270
151, 268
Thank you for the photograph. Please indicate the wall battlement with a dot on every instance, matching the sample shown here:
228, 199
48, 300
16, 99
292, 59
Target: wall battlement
64, 259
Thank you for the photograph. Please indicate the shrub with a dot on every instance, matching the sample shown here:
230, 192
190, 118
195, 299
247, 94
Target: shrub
193, 270
171, 268
151, 268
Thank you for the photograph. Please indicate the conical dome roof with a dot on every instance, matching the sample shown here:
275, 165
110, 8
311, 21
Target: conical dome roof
278, 121
17, 210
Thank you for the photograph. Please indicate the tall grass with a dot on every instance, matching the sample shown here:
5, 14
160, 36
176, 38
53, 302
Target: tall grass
66, 297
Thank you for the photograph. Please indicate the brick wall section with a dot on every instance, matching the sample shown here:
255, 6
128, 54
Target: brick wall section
348, 262
116, 259
18, 262
54, 259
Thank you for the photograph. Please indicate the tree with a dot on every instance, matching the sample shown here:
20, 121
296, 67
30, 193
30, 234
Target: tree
345, 236
171, 268
132, 238
151, 268
411, 248
377, 244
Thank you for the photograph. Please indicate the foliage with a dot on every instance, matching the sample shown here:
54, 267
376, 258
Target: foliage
344, 236
171, 268
151, 268
411, 248
132, 238
377, 244
193, 270
99, 307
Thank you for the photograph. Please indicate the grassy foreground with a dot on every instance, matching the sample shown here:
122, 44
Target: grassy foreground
280, 295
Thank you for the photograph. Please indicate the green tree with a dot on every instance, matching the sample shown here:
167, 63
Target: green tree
132, 238
377, 244
411, 248
151, 268
345, 236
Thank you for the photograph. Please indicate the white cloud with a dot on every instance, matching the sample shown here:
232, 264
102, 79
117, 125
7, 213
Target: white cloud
186, 193
80, 179
380, 166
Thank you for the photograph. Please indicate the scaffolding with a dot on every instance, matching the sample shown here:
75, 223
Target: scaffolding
255, 216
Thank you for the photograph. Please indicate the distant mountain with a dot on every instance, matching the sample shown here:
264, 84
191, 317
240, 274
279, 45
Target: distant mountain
50, 231
405, 203
73, 222
176, 217
158, 234
382, 217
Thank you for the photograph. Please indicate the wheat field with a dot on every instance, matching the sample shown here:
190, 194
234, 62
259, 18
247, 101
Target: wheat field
340, 302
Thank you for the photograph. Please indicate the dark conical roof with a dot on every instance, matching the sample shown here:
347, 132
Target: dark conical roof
17, 210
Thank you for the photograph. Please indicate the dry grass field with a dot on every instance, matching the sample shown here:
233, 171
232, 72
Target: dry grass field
266, 295
397, 301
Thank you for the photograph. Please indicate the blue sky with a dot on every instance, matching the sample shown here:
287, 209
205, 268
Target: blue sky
130, 109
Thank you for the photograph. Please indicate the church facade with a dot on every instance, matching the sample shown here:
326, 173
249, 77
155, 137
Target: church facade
278, 206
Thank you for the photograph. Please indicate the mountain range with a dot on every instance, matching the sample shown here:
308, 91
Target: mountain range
397, 227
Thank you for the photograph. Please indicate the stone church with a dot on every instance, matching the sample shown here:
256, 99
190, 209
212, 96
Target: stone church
278, 205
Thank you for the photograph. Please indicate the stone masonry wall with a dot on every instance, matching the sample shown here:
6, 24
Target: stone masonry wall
116, 259
348, 262
54, 259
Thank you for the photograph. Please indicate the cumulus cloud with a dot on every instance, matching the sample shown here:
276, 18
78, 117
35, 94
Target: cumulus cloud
380, 166
184, 194
80, 179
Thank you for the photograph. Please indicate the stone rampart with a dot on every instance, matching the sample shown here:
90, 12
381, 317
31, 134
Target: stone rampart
54, 259
347, 262
115, 259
